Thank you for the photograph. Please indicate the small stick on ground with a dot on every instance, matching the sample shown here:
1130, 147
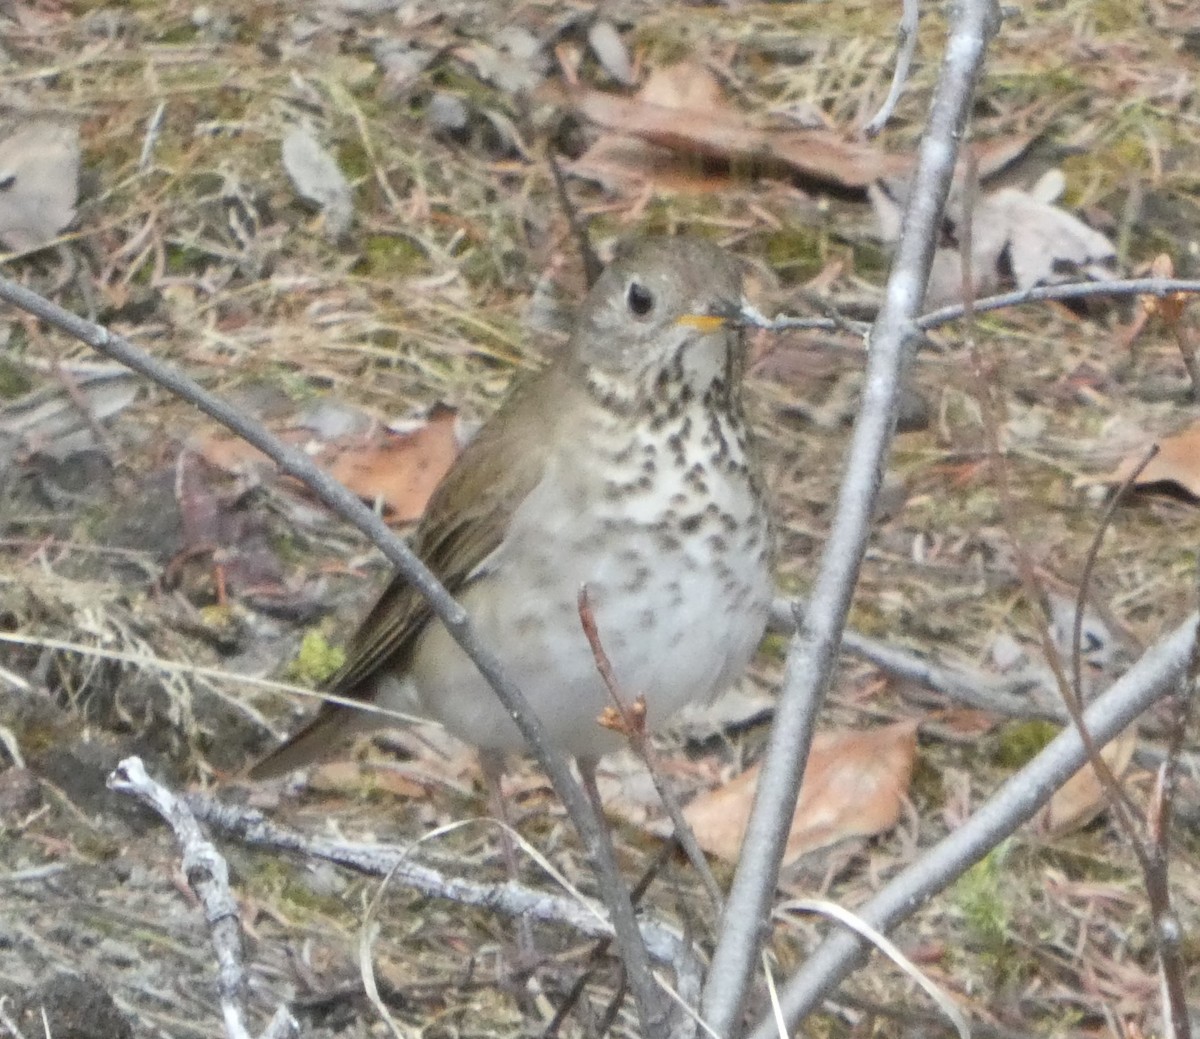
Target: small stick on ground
208, 876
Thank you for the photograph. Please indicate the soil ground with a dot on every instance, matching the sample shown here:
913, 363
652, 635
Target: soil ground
192, 241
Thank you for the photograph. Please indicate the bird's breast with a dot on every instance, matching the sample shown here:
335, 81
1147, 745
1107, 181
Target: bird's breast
665, 527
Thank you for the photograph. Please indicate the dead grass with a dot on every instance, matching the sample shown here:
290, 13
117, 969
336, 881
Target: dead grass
205, 256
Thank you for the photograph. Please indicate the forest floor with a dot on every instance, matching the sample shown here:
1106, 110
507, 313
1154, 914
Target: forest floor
379, 319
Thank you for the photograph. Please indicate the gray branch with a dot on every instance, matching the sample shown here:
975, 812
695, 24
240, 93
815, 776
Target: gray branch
814, 650
208, 876
1151, 678
509, 899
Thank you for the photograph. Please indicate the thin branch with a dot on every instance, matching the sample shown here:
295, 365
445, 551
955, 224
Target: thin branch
1089, 566
1168, 933
600, 949
592, 267
509, 899
906, 46
1007, 697
633, 728
814, 650
1060, 294
295, 463
208, 876
1153, 676
956, 312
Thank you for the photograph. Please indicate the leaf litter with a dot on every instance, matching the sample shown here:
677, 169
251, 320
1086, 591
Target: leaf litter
206, 254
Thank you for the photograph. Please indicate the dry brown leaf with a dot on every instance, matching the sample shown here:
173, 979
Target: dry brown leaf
401, 470
1013, 232
1177, 463
1171, 306
1083, 796
352, 777
854, 786
726, 134
626, 163
233, 455
683, 109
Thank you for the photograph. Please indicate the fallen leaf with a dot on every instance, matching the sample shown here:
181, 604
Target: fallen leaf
1171, 306
683, 110
351, 777
721, 132
233, 455
1082, 797
1177, 464
316, 176
854, 786
514, 60
609, 48
1047, 244
1015, 234
39, 183
400, 469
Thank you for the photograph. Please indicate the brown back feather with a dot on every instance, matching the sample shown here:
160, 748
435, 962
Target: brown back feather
463, 524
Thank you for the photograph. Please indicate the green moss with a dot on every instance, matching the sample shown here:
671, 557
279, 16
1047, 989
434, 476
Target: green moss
277, 878
185, 259
97, 846
179, 33
1115, 16
980, 897
388, 256
14, 380
353, 160
797, 253
315, 661
1021, 741
774, 646
872, 260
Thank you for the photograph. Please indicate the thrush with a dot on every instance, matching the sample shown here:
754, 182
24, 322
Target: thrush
624, 466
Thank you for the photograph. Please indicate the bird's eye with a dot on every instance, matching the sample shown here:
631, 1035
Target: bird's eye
639, 298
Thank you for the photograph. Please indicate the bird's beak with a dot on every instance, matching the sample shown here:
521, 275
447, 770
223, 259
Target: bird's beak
720, 316
703, 322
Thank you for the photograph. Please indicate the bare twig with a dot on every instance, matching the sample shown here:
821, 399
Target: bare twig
601, 947
7, 1020
1151, 855
1059, 294
976, 690
208, 876
633, 728
509, 899
1153, 676
1089, 566
813, 652
295, 463
592, 267
1167, 930
153, 128
906, 46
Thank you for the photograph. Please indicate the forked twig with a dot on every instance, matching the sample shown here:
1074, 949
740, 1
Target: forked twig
208, 876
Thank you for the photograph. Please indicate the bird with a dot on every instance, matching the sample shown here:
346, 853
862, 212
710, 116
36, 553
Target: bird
624, 466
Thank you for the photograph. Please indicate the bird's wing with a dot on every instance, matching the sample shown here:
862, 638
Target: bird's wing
463, 525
